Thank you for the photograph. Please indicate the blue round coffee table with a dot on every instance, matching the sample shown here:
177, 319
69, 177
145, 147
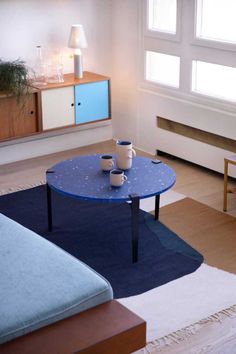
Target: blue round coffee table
82, 178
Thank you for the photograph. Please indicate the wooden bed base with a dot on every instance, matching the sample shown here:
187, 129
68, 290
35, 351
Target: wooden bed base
109, 328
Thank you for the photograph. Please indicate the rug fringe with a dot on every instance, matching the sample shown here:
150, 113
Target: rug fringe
183, 334
21, 188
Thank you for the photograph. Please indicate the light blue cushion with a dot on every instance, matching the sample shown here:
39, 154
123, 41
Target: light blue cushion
40, 283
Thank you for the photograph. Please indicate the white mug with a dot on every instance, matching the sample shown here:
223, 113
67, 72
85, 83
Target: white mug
124, 154
123, 162
106, 162
117, 178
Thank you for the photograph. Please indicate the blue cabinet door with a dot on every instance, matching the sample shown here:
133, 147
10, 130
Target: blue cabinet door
91, 102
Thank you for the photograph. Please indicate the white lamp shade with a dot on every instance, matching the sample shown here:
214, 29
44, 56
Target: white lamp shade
77, 37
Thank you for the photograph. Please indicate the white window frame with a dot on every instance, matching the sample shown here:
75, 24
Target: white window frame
207, 42
201, 94
159, 83
195, 49
176, 37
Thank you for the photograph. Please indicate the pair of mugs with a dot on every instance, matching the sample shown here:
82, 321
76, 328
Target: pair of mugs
117, 176
124, 156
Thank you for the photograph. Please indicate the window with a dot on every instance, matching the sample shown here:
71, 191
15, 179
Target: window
162, 15
162, 68
202, 62
216, 20
214, 80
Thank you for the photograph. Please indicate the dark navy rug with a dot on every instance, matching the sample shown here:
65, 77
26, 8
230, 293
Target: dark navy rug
100, 235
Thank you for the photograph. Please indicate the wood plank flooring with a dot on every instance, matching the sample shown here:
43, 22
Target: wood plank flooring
209, 231
193, 181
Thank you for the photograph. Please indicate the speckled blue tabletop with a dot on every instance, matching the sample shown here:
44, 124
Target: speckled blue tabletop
82, 178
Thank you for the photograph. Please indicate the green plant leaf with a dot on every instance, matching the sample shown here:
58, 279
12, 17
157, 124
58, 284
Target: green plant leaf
14, 78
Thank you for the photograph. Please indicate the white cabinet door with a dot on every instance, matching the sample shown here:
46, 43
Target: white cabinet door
58, 107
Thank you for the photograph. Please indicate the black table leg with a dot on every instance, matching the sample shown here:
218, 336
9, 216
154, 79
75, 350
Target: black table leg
135, 225
49, 207
157, 206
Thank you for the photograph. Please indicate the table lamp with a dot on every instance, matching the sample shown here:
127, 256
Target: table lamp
77, 41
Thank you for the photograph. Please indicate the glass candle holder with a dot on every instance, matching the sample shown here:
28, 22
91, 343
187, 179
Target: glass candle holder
54, 73
39, 68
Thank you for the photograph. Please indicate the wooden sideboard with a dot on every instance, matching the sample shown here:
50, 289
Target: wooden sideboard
56, 106
19, 119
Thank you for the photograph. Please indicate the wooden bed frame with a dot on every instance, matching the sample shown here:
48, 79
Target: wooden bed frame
109, 328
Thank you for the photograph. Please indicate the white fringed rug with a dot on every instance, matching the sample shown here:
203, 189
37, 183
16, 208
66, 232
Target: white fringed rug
195, 314
184, 301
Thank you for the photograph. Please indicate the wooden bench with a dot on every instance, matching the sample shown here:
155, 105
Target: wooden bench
227, 161
109, 328
52, 303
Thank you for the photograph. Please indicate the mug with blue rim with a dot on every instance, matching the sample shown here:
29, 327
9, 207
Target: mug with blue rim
124, 154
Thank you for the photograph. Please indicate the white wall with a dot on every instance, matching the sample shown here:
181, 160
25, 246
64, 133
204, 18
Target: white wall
24, 24
136, 107
125, 30
115, 42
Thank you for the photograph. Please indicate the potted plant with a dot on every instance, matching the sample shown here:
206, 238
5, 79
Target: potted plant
14, 78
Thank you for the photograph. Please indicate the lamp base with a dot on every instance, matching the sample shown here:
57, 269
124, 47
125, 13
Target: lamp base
78, 66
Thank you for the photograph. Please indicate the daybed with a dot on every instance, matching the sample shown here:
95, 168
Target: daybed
51, 302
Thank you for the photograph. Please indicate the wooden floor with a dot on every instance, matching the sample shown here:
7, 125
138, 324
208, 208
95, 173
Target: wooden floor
193, 181
211, 232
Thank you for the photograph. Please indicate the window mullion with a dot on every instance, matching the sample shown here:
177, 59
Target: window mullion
191, 52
